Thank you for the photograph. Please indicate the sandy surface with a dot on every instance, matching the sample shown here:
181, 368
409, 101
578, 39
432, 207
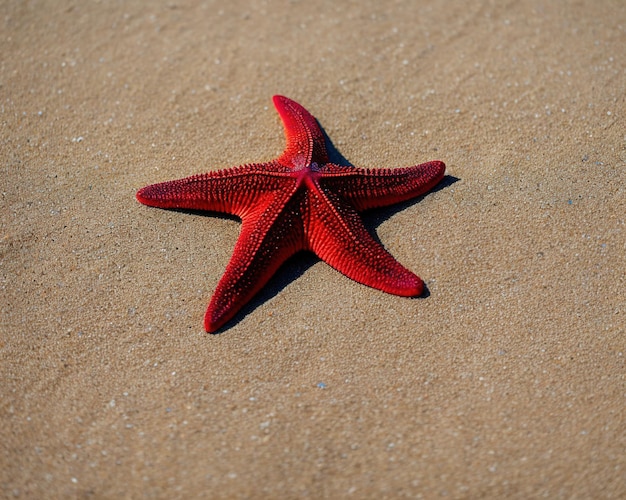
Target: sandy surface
508, 379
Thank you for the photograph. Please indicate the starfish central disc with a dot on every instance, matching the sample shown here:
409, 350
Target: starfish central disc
299, 201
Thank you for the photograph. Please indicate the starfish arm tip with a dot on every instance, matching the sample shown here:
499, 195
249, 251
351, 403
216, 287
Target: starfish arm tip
141, 196
441, 168
211, 323
411, 286
280, 99
222, 309
416, 289
152, 196
435, 171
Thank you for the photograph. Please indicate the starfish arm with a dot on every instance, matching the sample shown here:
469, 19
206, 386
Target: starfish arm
232, 191
371, 188
266, 241
339, 238
305, 140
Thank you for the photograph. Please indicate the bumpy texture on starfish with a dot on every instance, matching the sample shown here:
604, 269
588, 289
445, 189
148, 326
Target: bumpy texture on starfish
299, 201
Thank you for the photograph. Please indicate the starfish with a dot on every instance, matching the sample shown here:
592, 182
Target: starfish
299, 201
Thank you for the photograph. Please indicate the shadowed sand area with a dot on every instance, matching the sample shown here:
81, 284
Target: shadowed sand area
506, 380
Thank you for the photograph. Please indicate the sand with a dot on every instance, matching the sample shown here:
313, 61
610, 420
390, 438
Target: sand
506, 380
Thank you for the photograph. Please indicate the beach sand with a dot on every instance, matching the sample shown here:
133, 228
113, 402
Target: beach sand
506, 380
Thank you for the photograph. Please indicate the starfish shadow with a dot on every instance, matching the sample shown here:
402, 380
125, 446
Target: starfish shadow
334, 155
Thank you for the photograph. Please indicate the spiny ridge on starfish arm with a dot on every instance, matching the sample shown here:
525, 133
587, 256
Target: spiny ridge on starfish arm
299, 201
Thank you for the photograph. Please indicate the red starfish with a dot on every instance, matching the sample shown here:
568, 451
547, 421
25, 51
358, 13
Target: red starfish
299, 201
